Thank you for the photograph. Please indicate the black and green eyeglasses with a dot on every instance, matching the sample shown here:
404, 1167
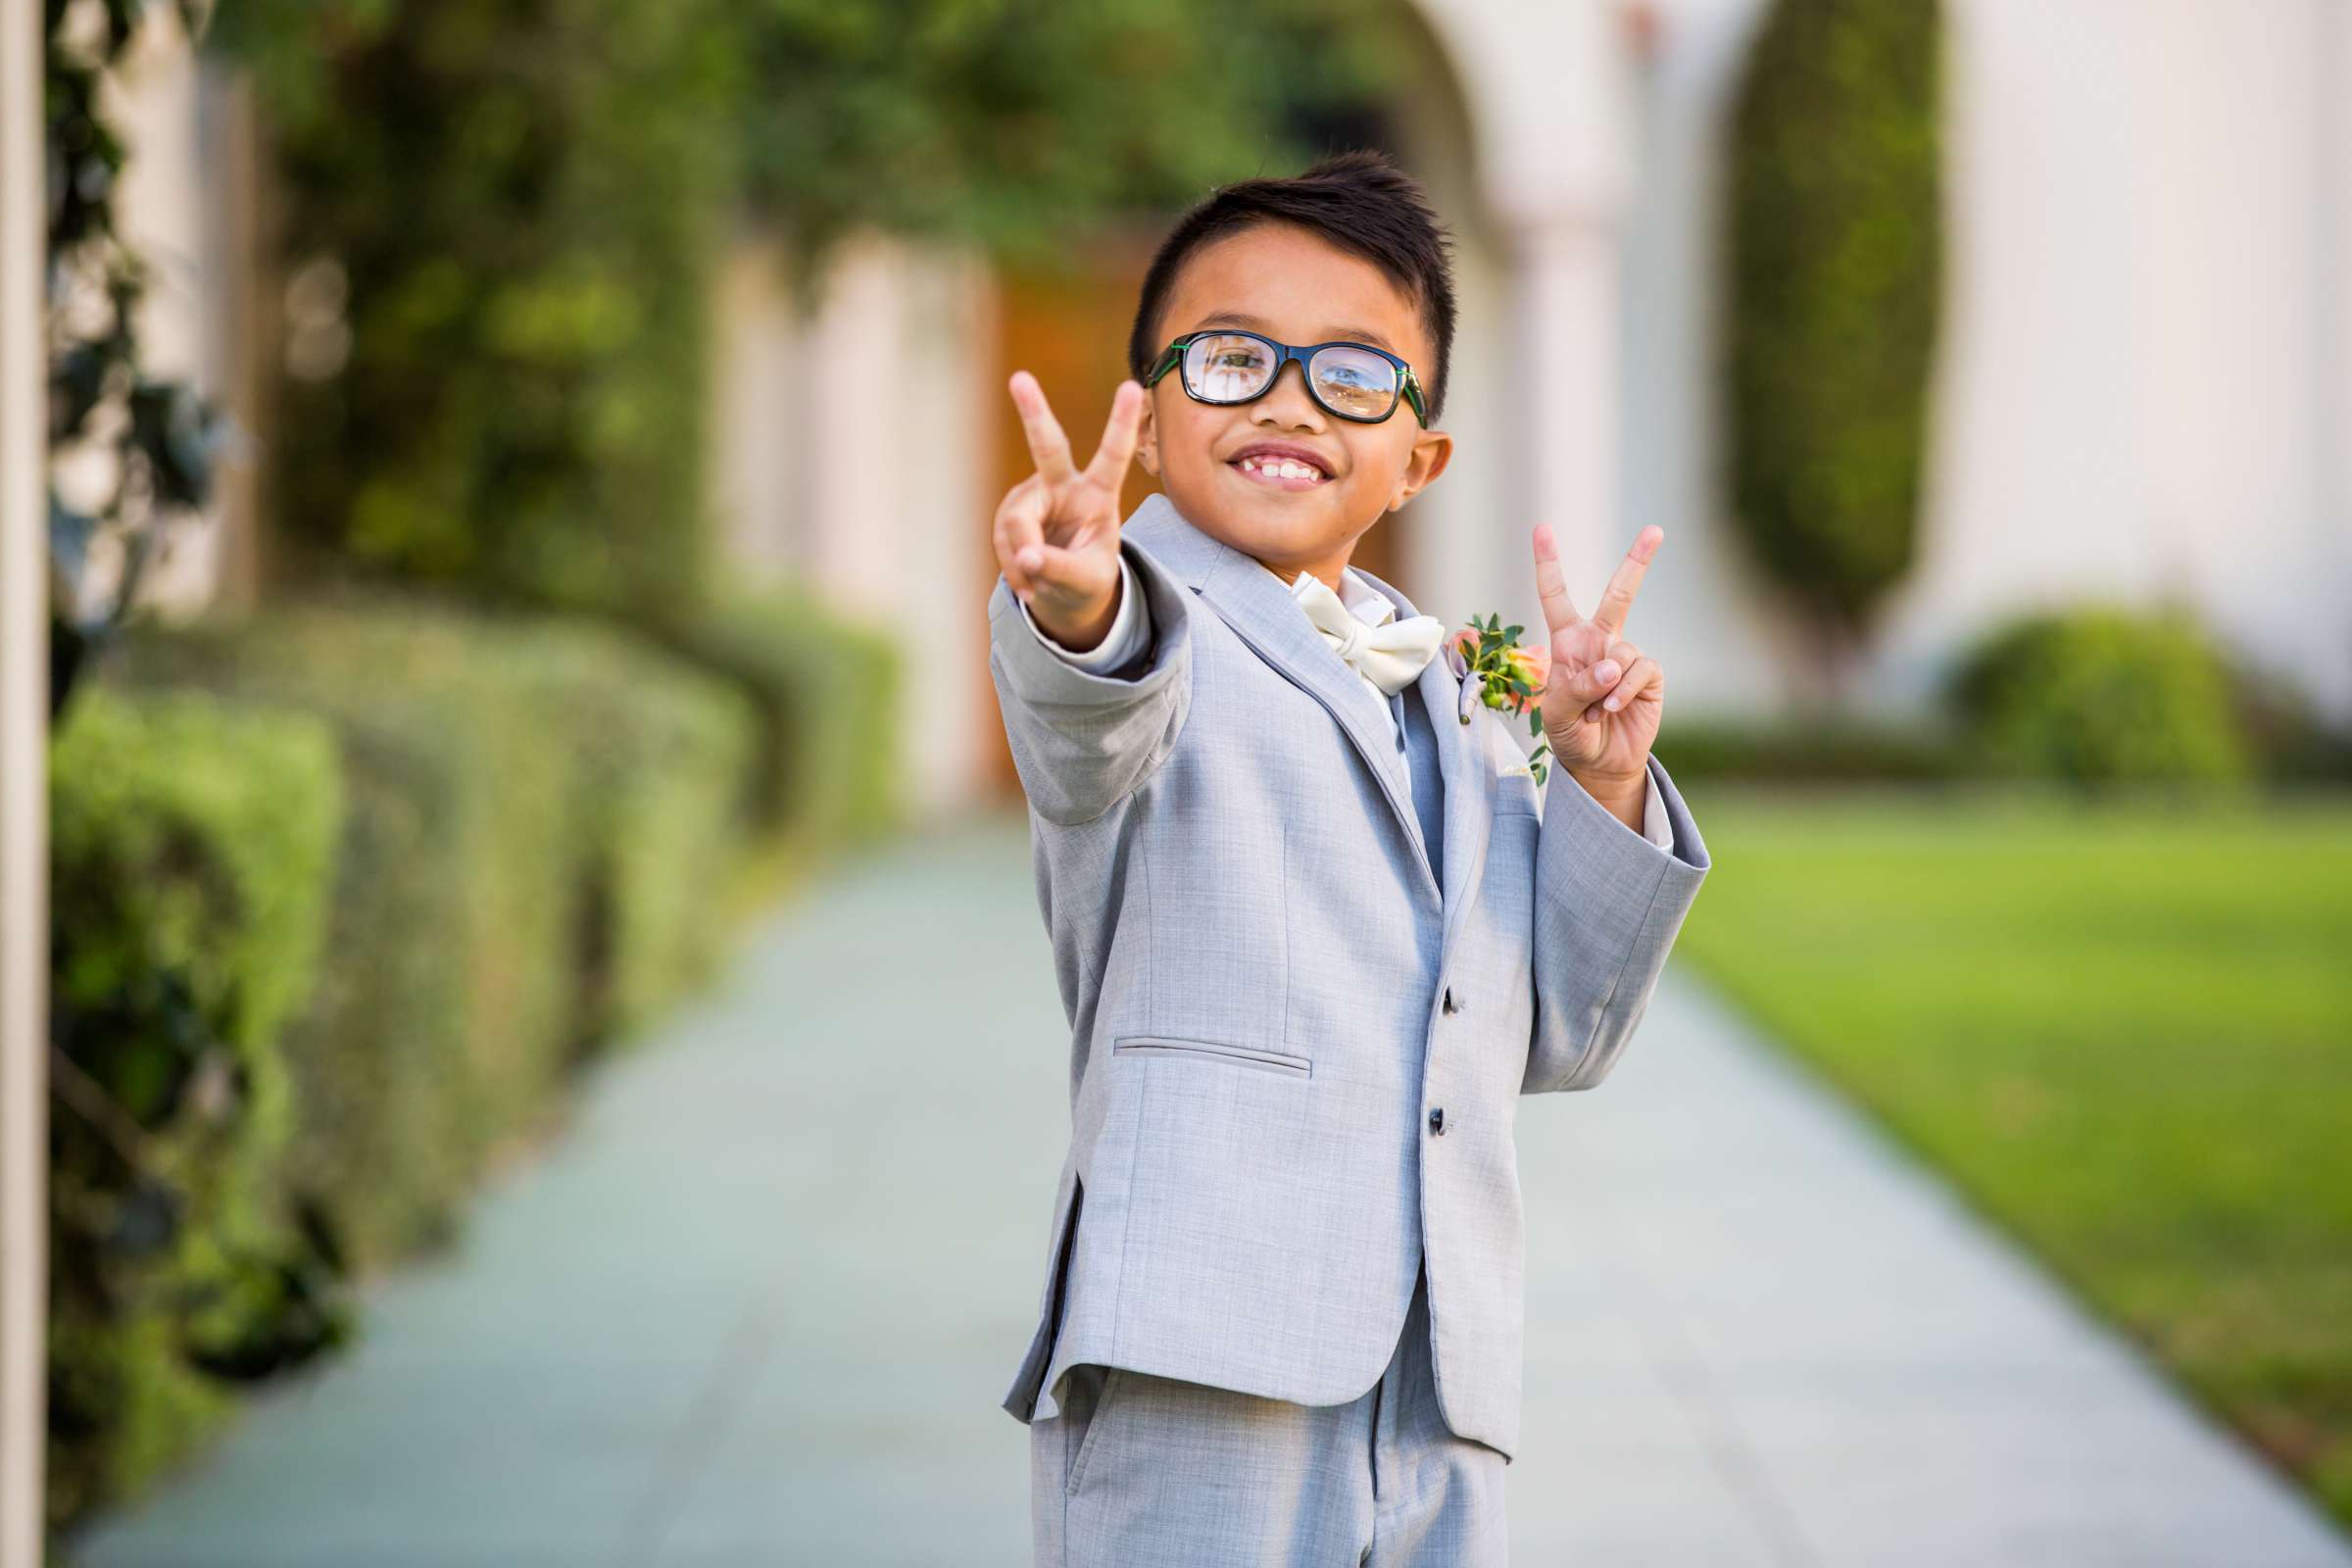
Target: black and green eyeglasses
1348, 380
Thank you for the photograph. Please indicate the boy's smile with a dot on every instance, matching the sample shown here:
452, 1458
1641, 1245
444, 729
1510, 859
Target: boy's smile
1280, 478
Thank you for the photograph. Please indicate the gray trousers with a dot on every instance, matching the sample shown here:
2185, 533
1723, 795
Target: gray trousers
1139, 1471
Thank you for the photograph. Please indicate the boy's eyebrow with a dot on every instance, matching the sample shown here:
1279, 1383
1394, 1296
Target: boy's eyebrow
1258, 323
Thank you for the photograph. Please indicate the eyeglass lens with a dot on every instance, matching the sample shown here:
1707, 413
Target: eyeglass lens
1228, 368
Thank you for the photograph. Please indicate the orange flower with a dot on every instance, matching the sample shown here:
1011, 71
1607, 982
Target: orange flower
1534, 666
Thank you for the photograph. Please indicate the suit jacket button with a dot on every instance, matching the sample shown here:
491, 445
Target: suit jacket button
1436, 1121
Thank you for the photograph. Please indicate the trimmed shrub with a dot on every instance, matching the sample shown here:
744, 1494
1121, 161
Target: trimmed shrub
192, 855
442, 1028
663, 754
538, 824
2098, 696
1833, 257
540, 811
826, 774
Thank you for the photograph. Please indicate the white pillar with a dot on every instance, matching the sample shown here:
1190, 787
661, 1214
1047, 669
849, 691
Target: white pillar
23, 791
1564, 381
1546, 92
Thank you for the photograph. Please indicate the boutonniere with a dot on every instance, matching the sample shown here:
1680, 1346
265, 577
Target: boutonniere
1496, 671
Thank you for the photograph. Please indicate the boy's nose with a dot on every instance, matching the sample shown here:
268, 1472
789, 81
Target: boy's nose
1288, 396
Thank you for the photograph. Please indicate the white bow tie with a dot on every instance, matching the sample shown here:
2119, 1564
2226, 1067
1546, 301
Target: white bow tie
1390, 656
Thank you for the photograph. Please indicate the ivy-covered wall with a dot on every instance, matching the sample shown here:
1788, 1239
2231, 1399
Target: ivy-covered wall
497, 221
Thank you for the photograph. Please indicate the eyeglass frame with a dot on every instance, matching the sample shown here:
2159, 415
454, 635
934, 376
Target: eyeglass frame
1409, 385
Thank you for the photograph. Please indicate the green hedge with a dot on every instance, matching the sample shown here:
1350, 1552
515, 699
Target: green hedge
541, 812
2094, 696
192, 855
662, 753
2098, 696
1778, 751
341, 892
828, 692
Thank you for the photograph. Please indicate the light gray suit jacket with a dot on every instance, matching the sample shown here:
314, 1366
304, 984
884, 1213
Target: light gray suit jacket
1296, 1058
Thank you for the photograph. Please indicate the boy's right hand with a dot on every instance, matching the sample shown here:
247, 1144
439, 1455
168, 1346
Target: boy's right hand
1058, 531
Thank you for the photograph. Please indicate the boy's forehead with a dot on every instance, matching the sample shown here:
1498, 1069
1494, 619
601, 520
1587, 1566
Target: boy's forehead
1290, 284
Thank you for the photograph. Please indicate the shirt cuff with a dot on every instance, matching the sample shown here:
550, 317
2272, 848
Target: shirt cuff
1129, 631
1656, 826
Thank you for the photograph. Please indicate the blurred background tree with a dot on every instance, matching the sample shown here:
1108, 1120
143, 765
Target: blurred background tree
1011, 123
500, 216
1833, 274
496, 217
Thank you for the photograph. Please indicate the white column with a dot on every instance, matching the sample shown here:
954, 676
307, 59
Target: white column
23, 792
1547, 90
1564, 381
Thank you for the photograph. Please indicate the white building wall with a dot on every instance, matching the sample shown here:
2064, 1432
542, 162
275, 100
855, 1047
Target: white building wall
2141, 386
850, 455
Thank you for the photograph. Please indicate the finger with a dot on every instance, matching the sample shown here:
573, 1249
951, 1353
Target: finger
1120, 437
1551, 584
1638, 679
1617, 600
1047, 444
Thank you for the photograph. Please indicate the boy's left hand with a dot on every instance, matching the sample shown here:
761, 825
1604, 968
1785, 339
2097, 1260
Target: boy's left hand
1603, 696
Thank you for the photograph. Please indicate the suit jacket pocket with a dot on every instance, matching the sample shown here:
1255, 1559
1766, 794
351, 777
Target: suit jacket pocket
1214, 1050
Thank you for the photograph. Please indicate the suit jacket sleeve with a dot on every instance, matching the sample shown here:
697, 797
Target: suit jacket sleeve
1084, 739
1608, 903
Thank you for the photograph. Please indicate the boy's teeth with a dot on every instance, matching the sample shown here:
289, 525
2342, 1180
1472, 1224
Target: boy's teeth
1286, 469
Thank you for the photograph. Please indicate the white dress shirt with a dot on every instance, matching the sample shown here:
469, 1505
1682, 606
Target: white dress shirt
1131, 633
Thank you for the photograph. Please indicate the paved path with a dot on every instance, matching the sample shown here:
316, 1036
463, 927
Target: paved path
757, 1308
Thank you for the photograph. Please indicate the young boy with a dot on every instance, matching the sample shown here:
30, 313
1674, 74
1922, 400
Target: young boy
1314, 934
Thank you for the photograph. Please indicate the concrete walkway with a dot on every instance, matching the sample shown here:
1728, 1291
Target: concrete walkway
758, 1307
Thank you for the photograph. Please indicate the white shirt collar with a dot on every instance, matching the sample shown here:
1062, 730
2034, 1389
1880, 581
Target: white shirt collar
1370, 605
1366, 602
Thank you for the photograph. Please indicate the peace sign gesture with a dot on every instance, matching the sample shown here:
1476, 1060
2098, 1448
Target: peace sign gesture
1058, 531
1604, 698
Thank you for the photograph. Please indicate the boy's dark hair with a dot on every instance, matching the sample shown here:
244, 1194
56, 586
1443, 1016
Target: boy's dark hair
1357, 200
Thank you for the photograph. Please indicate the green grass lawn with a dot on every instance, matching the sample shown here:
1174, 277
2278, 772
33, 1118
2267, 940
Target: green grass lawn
2125, 1031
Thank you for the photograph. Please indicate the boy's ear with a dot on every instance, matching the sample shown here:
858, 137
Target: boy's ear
1146, 443
1432, 451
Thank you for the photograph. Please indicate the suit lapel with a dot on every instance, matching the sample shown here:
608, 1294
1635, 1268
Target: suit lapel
1258, 606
